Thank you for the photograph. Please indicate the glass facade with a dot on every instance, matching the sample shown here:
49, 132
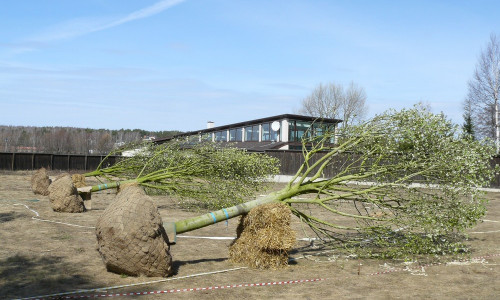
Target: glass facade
302, 129
221, 136
268, 134
236, 135
252, 133
206, 137
296, 129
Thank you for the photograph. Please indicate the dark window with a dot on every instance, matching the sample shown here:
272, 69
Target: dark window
266, 132
297, 130
252, 133
274, 135
206, 137
235, 135
320, 129
221, 136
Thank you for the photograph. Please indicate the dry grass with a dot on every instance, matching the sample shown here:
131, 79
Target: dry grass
38, 258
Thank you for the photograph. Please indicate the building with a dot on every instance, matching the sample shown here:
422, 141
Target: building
277, 132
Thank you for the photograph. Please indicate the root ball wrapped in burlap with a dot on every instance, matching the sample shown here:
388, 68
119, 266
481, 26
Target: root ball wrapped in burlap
64, 197
264, 237
131, 238
40, 182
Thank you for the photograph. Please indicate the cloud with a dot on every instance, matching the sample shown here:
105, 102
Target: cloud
82, 26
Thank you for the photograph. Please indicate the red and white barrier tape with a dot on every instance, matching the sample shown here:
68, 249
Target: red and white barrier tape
220, 287
74, 296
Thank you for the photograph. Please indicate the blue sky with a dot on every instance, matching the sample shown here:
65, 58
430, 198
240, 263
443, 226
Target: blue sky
174, 64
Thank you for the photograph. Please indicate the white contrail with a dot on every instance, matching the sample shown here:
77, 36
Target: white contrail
144, 13
82, 26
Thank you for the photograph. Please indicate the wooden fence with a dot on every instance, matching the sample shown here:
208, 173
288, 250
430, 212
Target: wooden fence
290, 162
66, 162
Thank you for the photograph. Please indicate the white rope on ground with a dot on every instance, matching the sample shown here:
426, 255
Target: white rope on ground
71, 295
492, 231
207, 237
210, 288
50, 221
203, 237
179, 236
476, 232
233, 237
131, 285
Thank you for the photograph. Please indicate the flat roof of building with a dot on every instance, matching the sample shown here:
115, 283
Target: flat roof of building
252, 122
262, 120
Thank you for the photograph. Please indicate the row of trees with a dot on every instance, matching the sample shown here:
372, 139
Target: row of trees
70, 140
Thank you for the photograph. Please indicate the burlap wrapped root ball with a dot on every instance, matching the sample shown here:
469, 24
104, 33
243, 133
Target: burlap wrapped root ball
264, 237
64, 196
131, 238
40, 182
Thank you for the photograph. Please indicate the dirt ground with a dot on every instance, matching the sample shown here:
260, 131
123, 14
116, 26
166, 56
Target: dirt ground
39, 258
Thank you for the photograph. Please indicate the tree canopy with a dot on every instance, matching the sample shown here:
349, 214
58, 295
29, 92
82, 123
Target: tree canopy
407, 185
334, 101
409, 175
207, 173
484, 91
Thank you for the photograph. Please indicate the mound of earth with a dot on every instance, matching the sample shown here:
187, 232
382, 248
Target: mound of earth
64, 197
40, 182
131, 238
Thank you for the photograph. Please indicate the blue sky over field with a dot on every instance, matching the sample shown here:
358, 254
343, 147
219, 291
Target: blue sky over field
175, 64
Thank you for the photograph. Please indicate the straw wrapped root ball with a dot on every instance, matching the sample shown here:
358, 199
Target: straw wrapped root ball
64, 197
78, 180
264, 237
131, 238
40, 182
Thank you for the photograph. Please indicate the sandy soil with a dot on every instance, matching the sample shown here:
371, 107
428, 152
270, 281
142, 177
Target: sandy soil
43, 258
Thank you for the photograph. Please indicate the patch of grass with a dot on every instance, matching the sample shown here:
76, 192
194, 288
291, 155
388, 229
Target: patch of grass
63, 237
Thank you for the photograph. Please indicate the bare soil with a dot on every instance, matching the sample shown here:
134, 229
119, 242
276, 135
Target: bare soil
43, 258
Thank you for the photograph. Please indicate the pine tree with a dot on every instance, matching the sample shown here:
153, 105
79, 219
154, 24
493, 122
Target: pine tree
468, 127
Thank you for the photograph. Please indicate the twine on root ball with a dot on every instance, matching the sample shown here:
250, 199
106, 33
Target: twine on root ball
64, 197
131, 238
40, 182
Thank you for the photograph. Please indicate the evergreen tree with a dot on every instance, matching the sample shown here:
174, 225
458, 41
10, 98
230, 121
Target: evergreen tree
468, 127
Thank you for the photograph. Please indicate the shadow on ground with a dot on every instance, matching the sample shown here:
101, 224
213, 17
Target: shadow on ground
176, 264
24, 276
9, 216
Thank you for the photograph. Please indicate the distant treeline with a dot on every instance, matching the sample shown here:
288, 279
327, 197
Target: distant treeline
70, 140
